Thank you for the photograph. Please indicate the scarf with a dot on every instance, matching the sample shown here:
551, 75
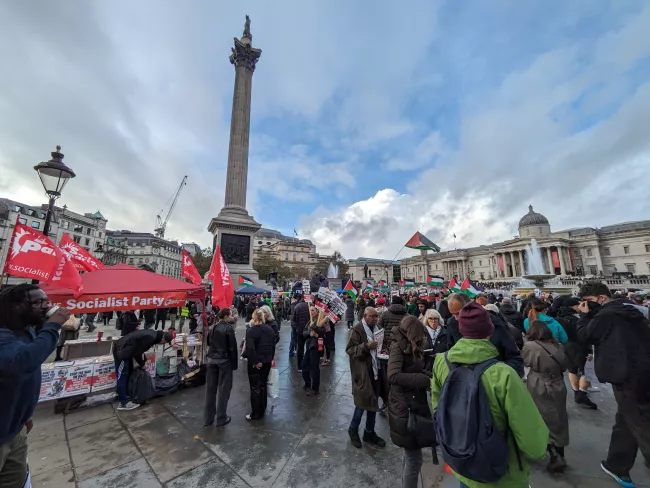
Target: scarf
373, 354
433, 333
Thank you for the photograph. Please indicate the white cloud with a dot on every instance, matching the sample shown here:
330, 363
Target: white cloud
515, 150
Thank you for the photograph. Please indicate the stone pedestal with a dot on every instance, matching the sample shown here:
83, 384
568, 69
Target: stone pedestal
235, 237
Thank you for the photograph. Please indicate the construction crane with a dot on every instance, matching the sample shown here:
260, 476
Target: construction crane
162, 225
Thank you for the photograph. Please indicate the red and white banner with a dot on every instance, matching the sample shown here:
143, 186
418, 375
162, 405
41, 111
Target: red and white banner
82, 259
106, 302
189, 270
223, 289
32, 255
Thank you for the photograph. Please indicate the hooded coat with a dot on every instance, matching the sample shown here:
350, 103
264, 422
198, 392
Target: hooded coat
388, 320
408, 391
511, 405
558, 331
361, 370
545, 383
349, 311
513, 316
620, 335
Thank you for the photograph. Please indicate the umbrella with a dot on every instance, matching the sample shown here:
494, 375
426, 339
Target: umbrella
251, 290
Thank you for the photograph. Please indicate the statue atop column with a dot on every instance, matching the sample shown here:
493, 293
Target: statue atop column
247, 29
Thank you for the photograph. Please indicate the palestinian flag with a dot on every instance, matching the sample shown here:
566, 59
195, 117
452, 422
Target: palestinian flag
435, 280
368, 286
468, 288
453, 286
243, 281
383, 286
421, 242
406, 284
350, 290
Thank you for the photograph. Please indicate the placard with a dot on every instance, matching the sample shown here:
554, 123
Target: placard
150, 365
309, 298
275, 296
306, 286
104, 376
52, 382
78, 380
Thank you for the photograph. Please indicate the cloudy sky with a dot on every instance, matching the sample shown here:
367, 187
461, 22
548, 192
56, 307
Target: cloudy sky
370, 119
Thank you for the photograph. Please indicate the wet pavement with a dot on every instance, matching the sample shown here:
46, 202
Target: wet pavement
302, 442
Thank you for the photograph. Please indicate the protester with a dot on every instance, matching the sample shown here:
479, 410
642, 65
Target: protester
270, 320
576, 353
349, 311
620, 335
408, 393
547, 362
436, 338
513, 410
387, 321
221, 362
507, 338
250, 308
422, 307
299, 320
132, 347
173, 314
149, 316
512, 315
314, 335
413, 308
365, 372
260, 350
23, 311
537, 311
361, 305
69, 332
130, 323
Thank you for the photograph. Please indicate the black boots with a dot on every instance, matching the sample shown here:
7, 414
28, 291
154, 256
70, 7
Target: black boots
372, 438
369, 437
557, 463
58, 353
582, 398
354, 438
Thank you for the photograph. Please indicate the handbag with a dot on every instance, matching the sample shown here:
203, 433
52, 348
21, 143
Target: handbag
420, 427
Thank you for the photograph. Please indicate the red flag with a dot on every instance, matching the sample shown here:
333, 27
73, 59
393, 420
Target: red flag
189, 270
223, 290
82, 259
35, 256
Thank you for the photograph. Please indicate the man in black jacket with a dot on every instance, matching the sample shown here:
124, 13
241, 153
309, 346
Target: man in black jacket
388, 320
130, 347
129, 322
501, 338
299, 320
513, 316
620, 335
222, 361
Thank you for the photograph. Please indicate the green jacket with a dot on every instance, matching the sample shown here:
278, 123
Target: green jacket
412, 309
510, 402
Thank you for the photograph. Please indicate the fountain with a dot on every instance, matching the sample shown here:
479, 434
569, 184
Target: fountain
536, 276
335, 282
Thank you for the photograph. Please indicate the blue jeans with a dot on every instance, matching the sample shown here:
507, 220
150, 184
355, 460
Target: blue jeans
293, 343
370, 416
122, 373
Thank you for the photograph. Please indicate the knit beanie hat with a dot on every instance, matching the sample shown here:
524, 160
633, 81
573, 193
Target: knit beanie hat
474, 322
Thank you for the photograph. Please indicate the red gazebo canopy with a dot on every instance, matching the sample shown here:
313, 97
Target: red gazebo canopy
124, 287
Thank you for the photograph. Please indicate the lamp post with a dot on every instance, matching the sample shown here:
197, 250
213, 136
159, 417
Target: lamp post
54, 175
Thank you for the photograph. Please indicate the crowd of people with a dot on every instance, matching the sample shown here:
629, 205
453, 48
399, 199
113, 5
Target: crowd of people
468, 375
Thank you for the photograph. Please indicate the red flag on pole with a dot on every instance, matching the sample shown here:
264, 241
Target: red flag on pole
223, 290
82, 259
189, 270
32, 255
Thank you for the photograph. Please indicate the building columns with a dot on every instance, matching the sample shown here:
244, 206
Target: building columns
521, 262
562, 265
549, 259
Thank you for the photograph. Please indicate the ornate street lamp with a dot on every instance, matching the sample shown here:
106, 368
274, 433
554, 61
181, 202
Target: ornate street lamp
54, 175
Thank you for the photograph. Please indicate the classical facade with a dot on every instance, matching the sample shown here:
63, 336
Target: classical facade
290, 250
145, 250
374, 270
88, 229
585, 251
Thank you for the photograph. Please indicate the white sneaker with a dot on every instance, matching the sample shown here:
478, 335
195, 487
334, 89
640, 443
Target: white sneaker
128, 406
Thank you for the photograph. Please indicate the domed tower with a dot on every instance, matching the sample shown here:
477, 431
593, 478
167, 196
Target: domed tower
534, 224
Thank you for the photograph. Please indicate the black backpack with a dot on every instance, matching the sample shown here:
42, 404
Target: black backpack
470, 442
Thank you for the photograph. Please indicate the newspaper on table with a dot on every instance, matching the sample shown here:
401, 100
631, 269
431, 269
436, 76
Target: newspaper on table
331, 304
78, 378
379, 339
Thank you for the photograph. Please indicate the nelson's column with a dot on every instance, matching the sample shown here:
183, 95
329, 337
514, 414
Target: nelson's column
233, 228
